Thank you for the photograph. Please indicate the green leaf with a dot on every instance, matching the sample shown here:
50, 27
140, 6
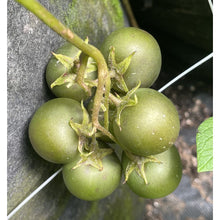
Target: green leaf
204, 141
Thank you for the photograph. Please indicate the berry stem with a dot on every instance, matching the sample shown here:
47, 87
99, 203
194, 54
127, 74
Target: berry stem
43, 14
115, 100
106, 102
130, 13
81, 73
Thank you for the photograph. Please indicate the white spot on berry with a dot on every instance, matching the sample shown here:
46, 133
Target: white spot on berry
161, 139
164, 116
153, 133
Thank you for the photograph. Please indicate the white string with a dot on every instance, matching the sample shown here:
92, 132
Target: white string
186, 71
210, 5
33, 193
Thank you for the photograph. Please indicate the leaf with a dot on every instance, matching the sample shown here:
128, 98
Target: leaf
204, 141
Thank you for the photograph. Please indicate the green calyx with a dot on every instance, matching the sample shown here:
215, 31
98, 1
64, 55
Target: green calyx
90, 152
137, 163
117, 70
67, 78
93, 155
77, 69
126, 101
85, 129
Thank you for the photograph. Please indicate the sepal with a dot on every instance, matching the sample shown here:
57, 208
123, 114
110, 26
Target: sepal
117, 70
138, 163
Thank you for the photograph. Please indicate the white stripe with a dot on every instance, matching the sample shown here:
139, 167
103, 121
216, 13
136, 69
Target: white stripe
210, 5
34, 193
186, 71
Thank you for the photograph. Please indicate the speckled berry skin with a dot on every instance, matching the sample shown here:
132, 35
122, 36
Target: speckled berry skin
150, 127
88, 183
50, 133
163, 178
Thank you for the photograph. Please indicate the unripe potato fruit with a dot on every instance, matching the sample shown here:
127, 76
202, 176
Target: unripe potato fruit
88, 183
55, 69
50, 133
149, 127
163, 178
146, 62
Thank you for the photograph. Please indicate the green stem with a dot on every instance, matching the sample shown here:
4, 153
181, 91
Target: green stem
36, 8
106, 102
81, 73
107, 133
130, 13
115, 100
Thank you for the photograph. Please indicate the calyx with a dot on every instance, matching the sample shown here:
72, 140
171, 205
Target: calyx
72, 66
117, 70
88, 147
126, 101
137, 163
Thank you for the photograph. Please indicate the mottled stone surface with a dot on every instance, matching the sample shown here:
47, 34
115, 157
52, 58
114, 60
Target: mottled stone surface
29, 46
